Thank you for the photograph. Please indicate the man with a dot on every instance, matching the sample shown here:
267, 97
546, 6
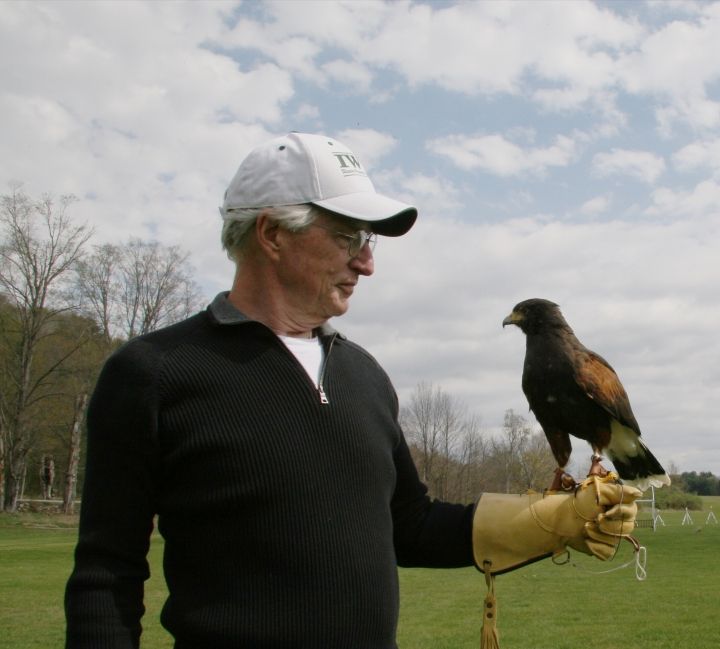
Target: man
266, 442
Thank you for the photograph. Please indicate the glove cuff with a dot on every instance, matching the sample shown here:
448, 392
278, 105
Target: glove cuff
507, 534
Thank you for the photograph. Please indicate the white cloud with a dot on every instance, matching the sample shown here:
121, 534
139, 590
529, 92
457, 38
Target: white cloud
473, 48
702, 154
307, 111
678, 63
600, 105
293, 51
349, 73
699, 112
487, 48
430, 194
641, 165
497, 155
704, 198
596, 205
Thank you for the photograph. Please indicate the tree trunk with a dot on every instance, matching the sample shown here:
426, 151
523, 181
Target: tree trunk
15, 479
47, 476
2, 468
74, 456
24, 479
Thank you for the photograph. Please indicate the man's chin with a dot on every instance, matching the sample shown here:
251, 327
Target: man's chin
339, 307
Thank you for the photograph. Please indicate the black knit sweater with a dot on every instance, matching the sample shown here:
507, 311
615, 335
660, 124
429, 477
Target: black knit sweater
284, 518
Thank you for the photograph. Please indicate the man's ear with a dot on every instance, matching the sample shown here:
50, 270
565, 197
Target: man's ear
267, 233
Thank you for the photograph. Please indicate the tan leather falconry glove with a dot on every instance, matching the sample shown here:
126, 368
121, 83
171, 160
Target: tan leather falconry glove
511, 530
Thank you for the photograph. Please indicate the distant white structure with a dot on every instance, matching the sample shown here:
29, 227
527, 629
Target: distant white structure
711, 517
655, 517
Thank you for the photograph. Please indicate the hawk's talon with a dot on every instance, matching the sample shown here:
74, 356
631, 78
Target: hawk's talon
596, 468
562, 481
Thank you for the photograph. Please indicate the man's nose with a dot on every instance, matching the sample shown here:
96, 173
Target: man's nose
364, 262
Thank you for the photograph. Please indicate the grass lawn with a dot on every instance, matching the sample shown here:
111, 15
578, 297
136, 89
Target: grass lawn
542, 606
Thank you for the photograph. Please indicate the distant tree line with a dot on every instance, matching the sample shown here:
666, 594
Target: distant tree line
65, 305
702, 484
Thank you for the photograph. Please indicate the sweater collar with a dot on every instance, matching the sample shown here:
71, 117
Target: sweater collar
223, 312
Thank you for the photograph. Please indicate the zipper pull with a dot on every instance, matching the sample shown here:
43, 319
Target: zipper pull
323, 396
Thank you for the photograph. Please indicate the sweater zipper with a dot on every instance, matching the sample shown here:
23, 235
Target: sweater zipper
321, 391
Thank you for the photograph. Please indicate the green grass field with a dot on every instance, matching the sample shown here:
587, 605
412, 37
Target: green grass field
542, 606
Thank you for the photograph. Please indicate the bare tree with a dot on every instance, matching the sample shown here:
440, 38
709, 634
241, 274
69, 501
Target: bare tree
40, 245
136, 287
421, 426
521, 457
155, 284
507, 452
417, 420
473, 450
537, 464
98, 286
433, 422
451, 416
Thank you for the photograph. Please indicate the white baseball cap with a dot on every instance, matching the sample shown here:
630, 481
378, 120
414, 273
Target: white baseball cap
303, 168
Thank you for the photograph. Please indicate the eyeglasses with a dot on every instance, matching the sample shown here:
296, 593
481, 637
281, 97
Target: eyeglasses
355, 242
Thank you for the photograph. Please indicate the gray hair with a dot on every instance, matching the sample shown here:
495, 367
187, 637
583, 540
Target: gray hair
238, 223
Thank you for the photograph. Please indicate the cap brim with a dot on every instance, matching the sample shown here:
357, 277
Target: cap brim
387, 216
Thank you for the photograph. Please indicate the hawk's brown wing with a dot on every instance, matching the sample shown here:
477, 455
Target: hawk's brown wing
600, 382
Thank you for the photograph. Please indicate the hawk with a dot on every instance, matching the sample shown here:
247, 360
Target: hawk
572, 390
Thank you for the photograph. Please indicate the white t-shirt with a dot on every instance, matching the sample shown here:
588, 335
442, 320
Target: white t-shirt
309, 352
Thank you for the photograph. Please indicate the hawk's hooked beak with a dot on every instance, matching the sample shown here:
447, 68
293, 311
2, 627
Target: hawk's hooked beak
513, 318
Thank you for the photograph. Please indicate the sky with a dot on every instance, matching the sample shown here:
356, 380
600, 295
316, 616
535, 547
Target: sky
563, 150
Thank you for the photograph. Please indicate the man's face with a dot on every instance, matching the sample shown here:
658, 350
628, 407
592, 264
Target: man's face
317, 271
